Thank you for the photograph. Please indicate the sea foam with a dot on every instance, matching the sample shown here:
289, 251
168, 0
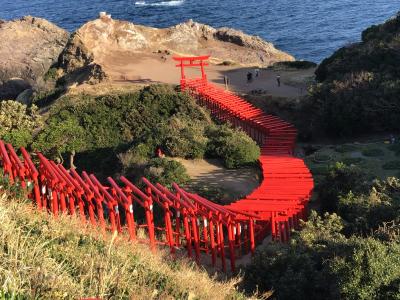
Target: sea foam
162, 3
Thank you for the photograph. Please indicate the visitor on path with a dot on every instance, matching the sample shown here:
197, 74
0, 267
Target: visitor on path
159, 152
256, 73
249, 77
226, 82
278, 79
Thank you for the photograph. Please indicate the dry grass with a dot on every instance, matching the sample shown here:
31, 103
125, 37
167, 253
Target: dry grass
46, 258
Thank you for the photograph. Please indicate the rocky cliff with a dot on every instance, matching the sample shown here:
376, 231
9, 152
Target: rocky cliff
29, 46
98, 40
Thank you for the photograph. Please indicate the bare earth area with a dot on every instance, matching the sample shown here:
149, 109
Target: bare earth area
211, 173
128, 68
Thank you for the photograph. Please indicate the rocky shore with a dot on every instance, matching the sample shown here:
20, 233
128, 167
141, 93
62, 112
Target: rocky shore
36, 54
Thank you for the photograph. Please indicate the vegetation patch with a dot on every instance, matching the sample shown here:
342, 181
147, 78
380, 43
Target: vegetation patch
392, 165
119, 131
47, 258
373, 152
395, 148
18, 123
357, 87
346, 148
353, 160
298, 64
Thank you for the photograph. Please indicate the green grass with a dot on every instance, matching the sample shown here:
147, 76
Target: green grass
346, 148
392, 165
372, 152
46, 258
395, 148
352, 160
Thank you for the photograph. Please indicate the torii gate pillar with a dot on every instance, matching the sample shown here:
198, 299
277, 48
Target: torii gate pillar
195, 61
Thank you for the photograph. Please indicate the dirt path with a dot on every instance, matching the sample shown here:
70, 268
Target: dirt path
211, 173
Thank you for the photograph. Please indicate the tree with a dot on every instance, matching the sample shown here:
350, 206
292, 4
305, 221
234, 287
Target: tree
18, 122
58, 137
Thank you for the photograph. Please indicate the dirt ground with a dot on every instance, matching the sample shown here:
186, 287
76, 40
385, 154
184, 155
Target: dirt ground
126, 68
234, 183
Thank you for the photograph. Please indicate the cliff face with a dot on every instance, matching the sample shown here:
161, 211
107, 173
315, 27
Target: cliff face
28, 48
100, 39
359, 85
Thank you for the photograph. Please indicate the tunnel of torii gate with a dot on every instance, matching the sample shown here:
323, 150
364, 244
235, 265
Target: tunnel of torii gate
287, 184
183, 220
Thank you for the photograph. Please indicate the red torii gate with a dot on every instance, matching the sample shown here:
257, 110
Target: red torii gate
192, 62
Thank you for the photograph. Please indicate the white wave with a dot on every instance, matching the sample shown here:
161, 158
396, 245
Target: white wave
162, 3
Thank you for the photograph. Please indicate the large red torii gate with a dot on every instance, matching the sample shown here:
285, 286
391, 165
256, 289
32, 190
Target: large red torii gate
192, 61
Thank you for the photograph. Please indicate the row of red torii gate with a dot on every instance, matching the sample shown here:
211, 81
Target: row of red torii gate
175, 218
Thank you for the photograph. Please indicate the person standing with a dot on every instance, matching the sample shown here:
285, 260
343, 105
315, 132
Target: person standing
278, 80
256, 72
226, 82
249, 77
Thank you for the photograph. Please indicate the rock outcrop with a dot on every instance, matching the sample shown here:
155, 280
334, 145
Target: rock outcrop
28, 48
106, 40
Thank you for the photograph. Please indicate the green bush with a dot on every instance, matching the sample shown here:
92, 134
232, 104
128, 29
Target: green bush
358, 86
322, 157
320, 170
352, 160
346, 148
166, 171
18, 123
340, 180
298, 64
233, 146
321, 263
373, 152
51, 74
395, 148
391, 165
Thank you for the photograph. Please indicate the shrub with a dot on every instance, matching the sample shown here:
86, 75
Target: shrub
298, 64
341, 179
322, 157
51, 74
18, 122
166, 171
395, 148
358, 86
391, 165
321, 263
346, 148
373, 152
320, 170
233, 146
185, 138
353, 160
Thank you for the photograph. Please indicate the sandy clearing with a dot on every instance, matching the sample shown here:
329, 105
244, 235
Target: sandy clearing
152, 68
211, 173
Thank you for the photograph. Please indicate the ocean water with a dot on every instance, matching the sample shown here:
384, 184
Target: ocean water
307, 29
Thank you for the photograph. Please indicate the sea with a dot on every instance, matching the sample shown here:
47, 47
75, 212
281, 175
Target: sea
308, 29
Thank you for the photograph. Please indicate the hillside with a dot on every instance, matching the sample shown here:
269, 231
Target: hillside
358, 86
47, 258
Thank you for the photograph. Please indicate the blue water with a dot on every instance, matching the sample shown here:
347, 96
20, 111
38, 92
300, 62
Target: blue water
308, 29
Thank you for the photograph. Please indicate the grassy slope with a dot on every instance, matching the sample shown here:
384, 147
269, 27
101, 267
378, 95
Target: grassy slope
41, 257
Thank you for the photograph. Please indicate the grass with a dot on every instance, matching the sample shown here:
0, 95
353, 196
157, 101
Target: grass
395, 148
372, 152
346, 148
352, 160
392, 165
46, 258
